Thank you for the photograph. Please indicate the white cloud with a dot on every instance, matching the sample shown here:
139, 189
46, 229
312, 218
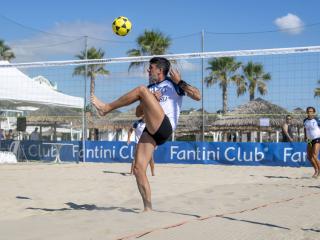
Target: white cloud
185, 65
47, 46
290, 23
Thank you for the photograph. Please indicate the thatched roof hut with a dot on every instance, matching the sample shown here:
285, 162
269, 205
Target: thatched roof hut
247, 117
190, 122
114, 120
49, 115
298, 115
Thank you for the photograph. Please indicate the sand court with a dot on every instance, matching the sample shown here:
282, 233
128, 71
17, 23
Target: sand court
101, 201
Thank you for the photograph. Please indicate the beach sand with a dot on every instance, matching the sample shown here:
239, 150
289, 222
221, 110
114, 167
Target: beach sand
101, 201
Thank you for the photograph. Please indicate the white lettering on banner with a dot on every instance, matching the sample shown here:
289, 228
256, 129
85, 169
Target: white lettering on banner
124, 148
257, 154
294, 156
232, 153
172, 151
198, 154
35, 150
75, 150
99, 152
244, 156
226, 154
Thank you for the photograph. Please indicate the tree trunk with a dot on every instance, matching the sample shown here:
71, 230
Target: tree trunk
92, 86
251, 96
224, 99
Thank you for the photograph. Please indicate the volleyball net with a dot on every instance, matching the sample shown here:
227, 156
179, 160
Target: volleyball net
246, 94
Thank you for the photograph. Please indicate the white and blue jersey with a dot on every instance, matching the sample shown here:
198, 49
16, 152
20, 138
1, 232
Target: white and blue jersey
171, 99
312, 127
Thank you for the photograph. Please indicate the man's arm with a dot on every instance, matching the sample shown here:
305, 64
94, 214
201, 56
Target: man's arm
191, 91
305, 134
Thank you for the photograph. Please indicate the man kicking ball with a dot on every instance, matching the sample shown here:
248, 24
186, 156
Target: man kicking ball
160, 104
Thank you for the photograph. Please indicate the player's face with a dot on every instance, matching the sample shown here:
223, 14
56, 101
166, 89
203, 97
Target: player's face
289, 119
154, 73
310, 113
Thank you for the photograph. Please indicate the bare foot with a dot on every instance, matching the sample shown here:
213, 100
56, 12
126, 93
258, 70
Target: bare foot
147, 206
99, 105
147, 210
315, 175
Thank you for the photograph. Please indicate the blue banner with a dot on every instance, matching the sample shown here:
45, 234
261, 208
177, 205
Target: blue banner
228, 153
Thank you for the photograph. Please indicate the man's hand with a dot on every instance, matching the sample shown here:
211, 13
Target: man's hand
191, 91
157, 95
175, 75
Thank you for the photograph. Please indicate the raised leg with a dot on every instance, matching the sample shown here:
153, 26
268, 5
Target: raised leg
153, 112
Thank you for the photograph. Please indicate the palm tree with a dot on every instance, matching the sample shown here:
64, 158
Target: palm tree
256, 78
149, 43
317, 91
5, 52
94, 69
223, 70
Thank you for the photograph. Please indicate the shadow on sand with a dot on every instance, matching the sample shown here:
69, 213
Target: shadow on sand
121, 173
254, 222
87, 207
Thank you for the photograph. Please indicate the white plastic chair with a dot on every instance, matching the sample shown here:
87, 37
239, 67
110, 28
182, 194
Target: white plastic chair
14, 147
7, 157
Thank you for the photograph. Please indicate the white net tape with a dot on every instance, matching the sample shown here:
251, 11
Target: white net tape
237, 53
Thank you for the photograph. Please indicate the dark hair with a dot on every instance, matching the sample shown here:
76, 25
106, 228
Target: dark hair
314, 110
288, 116
162, 63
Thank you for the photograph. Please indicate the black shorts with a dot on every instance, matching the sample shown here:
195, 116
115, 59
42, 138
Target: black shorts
314, 141
164, 132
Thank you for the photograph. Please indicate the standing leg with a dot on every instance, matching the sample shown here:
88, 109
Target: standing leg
145, 149
152, 166
315, 154
310, 150
132, 166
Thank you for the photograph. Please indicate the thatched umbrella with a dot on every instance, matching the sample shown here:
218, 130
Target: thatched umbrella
49, 114
298, 115
114, 120
190, 122
54, 116
247, 118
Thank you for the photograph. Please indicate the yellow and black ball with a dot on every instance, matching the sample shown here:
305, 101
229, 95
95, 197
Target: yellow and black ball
121, 26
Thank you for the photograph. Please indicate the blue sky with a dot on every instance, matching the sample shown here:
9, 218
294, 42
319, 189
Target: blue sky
53, 30
174, 18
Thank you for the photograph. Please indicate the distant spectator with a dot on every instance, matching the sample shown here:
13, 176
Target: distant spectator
35, 135
287, 133
9, 135
1, 134
312, 137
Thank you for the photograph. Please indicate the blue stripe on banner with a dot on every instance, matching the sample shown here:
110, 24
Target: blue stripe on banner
227, 153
